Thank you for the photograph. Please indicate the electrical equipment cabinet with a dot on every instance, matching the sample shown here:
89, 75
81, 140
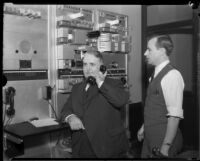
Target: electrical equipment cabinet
49, 42
43, 46
25, 58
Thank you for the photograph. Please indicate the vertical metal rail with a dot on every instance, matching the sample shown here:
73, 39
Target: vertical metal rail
52, 52
126, 69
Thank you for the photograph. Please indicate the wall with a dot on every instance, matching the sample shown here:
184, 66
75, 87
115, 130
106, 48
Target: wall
159, 14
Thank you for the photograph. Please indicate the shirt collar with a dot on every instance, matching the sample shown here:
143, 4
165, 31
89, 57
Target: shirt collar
160, 67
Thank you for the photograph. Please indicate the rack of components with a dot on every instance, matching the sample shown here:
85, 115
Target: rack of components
72, 26
79, 30
114, 32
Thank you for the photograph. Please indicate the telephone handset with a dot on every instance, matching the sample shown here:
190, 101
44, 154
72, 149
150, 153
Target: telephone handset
91, 80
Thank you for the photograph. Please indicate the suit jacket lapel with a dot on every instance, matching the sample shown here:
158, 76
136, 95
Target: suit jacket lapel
78, 99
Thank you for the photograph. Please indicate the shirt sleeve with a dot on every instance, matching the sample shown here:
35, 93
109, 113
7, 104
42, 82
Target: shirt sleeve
172, 85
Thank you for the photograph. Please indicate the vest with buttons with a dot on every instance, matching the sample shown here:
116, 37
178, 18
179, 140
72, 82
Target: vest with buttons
155, 108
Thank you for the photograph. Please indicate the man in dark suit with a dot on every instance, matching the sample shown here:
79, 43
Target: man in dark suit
94, 113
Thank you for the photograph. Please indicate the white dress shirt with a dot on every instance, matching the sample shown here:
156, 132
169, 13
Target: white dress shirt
172, 85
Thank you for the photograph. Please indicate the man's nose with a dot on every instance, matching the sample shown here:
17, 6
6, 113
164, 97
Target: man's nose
146, 53
88, 69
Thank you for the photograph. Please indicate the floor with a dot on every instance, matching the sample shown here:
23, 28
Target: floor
134, 152
187, 151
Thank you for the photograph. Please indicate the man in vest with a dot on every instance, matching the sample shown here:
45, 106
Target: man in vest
163, 105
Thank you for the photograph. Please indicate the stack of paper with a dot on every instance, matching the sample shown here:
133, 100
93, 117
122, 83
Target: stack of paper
44, 122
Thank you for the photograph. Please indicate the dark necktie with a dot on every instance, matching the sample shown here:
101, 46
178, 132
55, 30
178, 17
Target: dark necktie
152, 75
89, 95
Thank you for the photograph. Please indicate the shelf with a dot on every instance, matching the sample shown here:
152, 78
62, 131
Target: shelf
115, 52
107, 30
64, 92
17, 75
64, 23
70, 76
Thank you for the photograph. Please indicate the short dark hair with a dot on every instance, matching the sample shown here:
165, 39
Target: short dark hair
164, 41
96, 54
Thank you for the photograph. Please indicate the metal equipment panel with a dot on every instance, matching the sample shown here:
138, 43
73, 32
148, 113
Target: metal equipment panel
24, 39
28, 100
25, 58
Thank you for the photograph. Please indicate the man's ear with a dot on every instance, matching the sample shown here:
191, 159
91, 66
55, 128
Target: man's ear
163, 50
